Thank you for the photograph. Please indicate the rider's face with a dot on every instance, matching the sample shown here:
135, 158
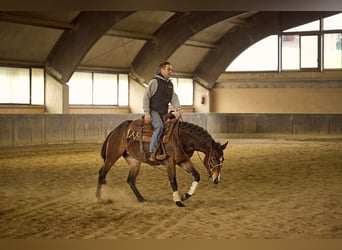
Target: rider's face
166, 71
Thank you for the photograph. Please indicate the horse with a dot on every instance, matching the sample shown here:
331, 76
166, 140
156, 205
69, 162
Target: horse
184, 139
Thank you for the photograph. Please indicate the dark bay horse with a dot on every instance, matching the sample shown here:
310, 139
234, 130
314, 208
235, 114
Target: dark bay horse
184, 140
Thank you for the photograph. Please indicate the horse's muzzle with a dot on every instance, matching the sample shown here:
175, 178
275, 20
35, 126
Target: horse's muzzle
217, 180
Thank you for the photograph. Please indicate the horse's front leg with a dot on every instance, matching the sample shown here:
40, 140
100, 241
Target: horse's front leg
134, 166
171, 171
188, 167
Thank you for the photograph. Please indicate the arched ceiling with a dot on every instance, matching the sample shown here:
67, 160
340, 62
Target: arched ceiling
198, 43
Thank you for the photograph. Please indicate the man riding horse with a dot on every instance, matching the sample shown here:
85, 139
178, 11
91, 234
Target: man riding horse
158, 95
180, 141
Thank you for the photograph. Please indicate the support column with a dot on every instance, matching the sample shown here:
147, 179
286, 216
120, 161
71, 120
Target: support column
56, 96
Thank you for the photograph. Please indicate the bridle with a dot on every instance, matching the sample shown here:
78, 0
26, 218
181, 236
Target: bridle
211, 166
210, 163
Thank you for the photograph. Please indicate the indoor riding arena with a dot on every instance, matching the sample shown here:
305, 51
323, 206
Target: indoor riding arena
67, 79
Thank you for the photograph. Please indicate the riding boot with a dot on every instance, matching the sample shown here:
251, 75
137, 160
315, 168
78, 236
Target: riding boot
152, 157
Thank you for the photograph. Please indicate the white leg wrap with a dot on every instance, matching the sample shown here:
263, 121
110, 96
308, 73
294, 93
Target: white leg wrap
176, 196
193, 188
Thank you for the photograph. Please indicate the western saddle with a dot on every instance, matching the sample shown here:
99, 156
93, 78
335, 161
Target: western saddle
140, 131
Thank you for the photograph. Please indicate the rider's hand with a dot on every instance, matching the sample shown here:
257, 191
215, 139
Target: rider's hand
147, 118
178, 114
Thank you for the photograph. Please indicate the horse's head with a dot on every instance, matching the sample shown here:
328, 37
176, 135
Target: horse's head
214, 161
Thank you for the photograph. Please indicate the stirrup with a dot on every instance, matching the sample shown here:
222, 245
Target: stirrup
161, 157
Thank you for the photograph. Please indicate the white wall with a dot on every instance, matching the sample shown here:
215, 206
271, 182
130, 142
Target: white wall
56, 96
136, 94
200, 92
278, 100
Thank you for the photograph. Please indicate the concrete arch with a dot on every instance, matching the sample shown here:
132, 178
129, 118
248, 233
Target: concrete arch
232, 44
73, 44
172, 34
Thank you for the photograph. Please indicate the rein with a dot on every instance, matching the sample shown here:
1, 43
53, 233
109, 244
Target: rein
199, 156
211, 166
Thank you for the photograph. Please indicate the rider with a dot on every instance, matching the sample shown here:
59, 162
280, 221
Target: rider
157, 97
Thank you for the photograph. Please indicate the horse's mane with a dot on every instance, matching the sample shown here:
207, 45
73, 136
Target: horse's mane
196, 131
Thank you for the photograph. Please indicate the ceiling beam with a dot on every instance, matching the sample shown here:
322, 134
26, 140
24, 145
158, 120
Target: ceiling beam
35, 21
67, 26
174, 33
147, 37
71, 47
200, 44
129, 34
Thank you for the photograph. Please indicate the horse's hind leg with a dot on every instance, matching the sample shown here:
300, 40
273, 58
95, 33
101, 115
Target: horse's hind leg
112, 149
102, 176
134, 168
101, 180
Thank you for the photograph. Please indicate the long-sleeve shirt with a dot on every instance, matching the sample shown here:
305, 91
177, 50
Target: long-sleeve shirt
152, 89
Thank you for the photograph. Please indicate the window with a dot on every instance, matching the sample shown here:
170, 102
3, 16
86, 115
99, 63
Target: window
305, 47
333, 51
81, 88
309, 51
91, 88
105, 87
312, 26
37, 86
290, 52
123, 96
255, 59
21, 86
299, 52
333, 22
184, 88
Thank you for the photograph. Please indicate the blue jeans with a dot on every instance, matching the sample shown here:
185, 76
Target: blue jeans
158, 126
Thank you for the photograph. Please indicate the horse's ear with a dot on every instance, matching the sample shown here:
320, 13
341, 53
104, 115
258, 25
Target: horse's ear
223, 146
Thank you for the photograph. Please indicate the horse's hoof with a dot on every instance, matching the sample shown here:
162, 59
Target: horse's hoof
180, 204
185, 196
104, 202
109, 201
145, 203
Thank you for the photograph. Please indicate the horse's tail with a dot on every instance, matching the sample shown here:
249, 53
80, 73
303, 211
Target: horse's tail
104, 144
